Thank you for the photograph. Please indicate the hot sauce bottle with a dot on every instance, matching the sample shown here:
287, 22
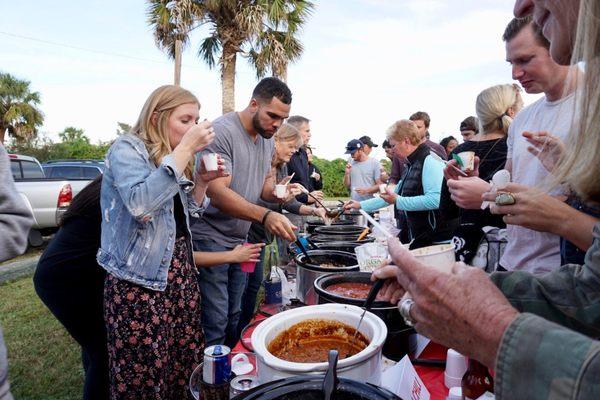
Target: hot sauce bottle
476, 381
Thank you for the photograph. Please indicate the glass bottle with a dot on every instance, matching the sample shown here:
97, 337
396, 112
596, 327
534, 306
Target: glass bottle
476, 381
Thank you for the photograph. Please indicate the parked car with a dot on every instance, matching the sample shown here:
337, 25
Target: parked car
47, 198
72, 169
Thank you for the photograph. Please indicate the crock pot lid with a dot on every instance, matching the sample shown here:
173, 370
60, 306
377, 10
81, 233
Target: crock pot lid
310, 387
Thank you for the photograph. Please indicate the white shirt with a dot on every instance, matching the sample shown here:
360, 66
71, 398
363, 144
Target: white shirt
529, 250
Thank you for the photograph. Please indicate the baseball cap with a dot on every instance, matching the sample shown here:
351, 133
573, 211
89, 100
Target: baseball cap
470, 124
353, 145
367, 140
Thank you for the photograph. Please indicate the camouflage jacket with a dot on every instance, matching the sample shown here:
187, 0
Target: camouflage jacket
551, 350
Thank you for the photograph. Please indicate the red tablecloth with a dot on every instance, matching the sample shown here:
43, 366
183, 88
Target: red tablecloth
432, 377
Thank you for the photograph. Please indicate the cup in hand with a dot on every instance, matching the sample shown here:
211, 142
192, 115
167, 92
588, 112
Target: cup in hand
468, 159
281, 191
248, 266
440, 256
383, 188
210, 161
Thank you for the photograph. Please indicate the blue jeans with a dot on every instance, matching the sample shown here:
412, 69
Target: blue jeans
249, 298
221, 289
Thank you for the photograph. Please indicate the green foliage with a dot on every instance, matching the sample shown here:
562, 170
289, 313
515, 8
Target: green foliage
44, 361
123, 128
332, 173
74, 144
19, 115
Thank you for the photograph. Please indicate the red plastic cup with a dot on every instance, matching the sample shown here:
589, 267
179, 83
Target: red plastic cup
248, 266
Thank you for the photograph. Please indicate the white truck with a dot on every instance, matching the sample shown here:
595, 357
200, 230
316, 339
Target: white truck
47, 198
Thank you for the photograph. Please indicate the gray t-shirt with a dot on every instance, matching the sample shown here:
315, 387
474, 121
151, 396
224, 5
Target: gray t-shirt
529, 250
249, 163
363, 175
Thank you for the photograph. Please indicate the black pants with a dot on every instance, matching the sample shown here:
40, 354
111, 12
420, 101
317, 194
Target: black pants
73, 291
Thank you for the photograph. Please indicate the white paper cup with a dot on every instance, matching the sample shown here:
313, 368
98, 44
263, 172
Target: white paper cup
468, 159
456, 366
383, 188
210, 161
440, 256
281, 191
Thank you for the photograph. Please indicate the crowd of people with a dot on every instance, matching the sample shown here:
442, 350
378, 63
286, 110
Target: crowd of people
145, 269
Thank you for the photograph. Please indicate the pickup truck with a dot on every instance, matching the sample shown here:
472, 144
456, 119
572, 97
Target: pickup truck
47, 198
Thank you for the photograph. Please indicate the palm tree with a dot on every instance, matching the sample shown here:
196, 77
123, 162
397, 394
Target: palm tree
233, 24
19, 115
277, 45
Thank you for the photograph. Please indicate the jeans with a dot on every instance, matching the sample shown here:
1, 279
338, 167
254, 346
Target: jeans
4, 386
250, 293
221, 289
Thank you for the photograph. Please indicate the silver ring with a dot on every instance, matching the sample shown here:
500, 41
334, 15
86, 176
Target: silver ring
404, 307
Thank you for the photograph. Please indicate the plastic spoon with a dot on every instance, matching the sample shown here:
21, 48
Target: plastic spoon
438, 158
376, 224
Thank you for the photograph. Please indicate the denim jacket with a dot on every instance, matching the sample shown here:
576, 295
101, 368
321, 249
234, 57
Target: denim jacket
138, 223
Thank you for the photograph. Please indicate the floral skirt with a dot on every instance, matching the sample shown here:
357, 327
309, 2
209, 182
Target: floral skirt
155, 339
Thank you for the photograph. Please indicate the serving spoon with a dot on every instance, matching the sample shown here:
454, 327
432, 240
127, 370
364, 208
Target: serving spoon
367, 306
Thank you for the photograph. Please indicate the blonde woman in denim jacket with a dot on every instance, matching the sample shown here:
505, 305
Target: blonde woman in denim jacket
151, 295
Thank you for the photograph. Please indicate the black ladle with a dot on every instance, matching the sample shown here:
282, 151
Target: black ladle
367, 305
330, 382
328, 212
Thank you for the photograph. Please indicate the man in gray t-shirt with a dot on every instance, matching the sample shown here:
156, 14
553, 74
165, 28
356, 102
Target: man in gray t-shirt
243, 141
363, 174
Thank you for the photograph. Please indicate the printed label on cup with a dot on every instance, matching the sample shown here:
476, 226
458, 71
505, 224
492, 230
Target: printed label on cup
468, 159
210, 161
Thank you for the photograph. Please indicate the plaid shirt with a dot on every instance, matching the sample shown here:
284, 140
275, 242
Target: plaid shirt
551, 350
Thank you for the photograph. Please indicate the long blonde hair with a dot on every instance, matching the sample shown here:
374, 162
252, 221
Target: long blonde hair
492, 106
286, 133
162, 101
579, 166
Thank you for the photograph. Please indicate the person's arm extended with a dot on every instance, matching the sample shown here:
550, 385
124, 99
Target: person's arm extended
268, 188
206, 259
432, 176
231, 203
538, 359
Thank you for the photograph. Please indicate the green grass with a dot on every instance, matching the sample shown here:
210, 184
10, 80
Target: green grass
44, 362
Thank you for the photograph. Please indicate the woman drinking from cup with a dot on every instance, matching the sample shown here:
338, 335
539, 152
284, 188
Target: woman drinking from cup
151, 295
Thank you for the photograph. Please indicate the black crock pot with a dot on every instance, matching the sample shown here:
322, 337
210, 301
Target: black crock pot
348, 247
343, 230
311, 225
396, 344
318, 238
310, 387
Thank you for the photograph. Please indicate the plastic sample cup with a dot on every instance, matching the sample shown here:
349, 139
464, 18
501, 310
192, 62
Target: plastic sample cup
210, 161
468, 159
456, 366
383, 188
248, 266
440, 256
281, 191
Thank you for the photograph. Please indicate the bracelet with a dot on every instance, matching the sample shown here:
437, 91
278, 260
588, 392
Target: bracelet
264, 218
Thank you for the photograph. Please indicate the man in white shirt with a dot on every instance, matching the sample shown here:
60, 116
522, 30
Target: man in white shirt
363, 175
527, 52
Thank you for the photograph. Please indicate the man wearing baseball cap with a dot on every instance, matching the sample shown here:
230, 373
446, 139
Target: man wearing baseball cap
368, 144
362, 174
469, 128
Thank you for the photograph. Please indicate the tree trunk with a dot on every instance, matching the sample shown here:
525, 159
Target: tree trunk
228, 79
177, 62
3, 130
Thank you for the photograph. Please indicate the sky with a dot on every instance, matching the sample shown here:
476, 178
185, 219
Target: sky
366, 64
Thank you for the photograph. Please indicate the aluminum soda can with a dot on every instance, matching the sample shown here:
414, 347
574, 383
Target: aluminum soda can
217, 367
241, 384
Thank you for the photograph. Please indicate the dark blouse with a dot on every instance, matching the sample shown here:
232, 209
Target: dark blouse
492, 158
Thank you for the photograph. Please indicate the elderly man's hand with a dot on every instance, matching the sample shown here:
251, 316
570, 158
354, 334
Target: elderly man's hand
467, 192
533, 209
461, 309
